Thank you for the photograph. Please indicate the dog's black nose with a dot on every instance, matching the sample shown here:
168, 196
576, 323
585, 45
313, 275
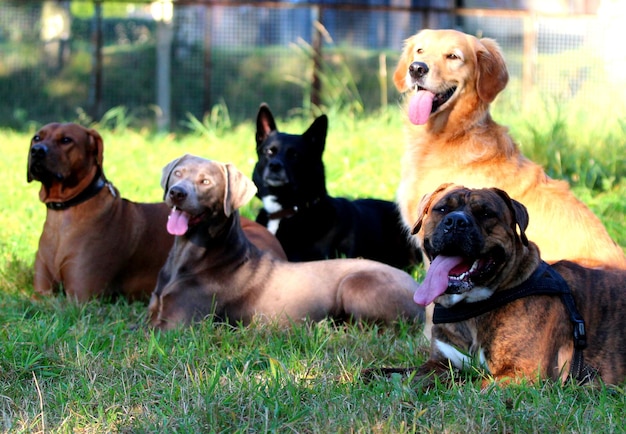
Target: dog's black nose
39, 151
456, 221
418, 69
177, 194
275, 166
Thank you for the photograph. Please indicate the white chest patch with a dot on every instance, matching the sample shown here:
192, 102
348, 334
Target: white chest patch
271, 205
458, 359
272, 225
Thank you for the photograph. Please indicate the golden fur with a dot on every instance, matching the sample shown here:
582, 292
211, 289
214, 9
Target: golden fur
460, 143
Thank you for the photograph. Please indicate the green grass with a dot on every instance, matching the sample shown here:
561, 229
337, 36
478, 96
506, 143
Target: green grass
98, 368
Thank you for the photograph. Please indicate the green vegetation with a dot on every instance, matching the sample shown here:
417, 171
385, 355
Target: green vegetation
98, 368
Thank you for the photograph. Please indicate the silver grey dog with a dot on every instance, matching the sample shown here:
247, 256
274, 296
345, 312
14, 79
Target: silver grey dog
213, 269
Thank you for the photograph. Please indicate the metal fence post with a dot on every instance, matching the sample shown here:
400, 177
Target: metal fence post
316, 83
95, 88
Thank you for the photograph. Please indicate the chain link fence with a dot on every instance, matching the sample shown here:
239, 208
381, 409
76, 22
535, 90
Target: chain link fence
164, 62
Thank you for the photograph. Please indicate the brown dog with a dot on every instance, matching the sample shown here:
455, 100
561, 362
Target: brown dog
213, 269
94, 243
498, 302
451, 137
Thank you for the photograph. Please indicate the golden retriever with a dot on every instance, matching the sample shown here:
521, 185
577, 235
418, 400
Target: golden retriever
451, 138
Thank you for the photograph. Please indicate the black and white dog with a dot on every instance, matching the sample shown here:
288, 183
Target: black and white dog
310, 224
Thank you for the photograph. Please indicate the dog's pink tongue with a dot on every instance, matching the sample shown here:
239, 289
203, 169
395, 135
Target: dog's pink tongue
436, 280
420, 106
177, 222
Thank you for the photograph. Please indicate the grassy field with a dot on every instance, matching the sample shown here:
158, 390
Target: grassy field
98, 368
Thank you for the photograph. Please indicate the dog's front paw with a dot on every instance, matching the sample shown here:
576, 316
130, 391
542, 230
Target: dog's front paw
423, 378
433, 373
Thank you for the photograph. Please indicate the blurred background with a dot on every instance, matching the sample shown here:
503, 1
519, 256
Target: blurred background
159, 64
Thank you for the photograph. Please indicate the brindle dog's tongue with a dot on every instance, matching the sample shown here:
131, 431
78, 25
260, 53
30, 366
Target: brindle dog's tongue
436, 280
420, 106
177, 222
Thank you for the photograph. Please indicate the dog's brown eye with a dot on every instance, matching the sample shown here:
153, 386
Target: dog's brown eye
488, 213
206, 181
452, 56
66, 140
420, 50
37, 138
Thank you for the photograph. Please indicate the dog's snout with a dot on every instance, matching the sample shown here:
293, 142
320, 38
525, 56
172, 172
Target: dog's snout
275, 166
418, 69
39, 151
177, 194
456, 221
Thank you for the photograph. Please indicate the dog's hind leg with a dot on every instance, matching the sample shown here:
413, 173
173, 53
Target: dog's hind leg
378, 296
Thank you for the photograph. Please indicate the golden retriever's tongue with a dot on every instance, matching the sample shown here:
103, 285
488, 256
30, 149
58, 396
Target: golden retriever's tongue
177, 222
420, 106
436, 280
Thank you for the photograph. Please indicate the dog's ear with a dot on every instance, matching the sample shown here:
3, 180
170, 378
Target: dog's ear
265, 124
239, 189
424, 206
316, 133
492, 73
399, 75
519, 212
96, 141
167, 172
29, 178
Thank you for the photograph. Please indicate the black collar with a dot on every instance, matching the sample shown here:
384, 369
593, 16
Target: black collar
290, 212
92, 189
544, 281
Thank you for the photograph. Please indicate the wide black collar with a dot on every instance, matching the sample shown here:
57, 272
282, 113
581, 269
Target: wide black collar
544, 281
97, 184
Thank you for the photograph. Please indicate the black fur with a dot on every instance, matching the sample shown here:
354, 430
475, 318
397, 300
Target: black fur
314, 225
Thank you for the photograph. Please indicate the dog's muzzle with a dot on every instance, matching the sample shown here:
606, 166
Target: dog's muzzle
38, 152
456, 221
38, 165
275, 175
177, 195
418, 70
456, 235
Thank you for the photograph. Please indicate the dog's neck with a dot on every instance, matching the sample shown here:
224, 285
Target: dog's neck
474, 130
221, 240
276, 211
91, 190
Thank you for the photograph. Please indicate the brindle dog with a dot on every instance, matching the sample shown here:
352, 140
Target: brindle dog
496, 301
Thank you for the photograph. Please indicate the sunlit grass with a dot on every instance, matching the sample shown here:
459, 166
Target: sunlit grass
98, 368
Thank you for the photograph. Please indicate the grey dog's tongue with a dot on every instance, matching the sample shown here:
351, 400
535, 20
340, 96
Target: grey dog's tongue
420, 106
177, 222
436, 281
